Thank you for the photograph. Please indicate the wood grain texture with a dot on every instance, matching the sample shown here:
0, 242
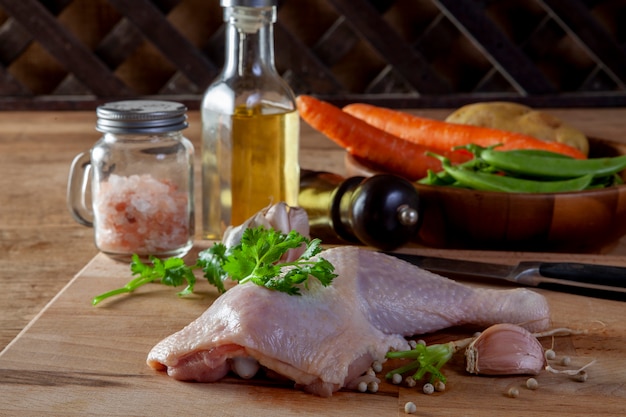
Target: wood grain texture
76, 360
41, 247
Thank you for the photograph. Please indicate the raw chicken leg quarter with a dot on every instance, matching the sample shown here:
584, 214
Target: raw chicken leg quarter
328, 337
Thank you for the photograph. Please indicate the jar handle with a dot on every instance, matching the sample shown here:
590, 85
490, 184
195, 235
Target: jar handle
78, 188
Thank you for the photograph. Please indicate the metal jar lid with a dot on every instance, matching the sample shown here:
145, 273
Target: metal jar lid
249, 3
141, 116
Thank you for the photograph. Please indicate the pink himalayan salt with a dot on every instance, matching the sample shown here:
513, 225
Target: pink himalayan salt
140, 214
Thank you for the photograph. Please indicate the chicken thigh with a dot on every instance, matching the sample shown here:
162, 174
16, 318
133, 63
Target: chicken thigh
329, 336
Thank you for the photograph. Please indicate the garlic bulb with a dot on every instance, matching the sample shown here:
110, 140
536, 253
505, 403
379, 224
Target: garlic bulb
505, 349
278, 216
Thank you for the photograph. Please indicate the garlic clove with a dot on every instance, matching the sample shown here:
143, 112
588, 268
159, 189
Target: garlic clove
505, 349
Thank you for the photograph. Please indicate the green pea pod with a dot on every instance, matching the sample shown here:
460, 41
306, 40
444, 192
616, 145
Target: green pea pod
477, 150
549, 167
490, 182
537, 152
439, 178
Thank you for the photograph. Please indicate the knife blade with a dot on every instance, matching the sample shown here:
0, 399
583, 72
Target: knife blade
530, 273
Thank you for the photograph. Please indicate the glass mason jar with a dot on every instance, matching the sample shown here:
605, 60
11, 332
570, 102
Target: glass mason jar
250, 124
135, 186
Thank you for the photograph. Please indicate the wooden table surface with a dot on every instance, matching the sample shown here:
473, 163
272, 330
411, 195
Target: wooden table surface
42, 248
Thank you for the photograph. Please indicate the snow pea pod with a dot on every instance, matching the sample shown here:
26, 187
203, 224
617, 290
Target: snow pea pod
552, 167
490, 182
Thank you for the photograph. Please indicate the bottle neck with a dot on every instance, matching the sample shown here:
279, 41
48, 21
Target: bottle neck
249, 40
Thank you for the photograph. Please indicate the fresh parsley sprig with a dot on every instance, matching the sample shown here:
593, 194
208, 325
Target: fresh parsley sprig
256, 258
171, 271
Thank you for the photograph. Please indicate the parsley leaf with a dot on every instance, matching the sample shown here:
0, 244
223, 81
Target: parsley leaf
256, 258
211, 261
171, 271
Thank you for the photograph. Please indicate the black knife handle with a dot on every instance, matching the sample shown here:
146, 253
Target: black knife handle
609, 276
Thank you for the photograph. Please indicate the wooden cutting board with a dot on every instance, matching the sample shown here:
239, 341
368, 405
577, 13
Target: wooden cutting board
77, 360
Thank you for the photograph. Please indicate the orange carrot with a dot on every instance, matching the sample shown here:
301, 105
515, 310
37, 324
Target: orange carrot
396, 155
445, 136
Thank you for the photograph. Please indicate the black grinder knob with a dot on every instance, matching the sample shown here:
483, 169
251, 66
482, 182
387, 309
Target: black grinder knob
381, 211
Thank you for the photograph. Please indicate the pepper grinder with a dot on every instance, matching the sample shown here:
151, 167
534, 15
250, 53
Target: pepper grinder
382, 211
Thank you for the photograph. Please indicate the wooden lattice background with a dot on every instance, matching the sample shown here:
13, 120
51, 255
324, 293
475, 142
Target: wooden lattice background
69, 54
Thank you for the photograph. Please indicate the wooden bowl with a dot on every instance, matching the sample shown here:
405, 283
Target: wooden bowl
582, 221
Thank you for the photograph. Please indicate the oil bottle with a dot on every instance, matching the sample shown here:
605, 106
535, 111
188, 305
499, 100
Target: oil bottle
250, 129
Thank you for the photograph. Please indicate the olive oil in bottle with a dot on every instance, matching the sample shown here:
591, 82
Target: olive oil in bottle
250, 124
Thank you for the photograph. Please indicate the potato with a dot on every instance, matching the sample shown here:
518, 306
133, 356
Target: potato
519, 118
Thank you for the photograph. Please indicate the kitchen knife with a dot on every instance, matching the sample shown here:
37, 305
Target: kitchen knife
555, 275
